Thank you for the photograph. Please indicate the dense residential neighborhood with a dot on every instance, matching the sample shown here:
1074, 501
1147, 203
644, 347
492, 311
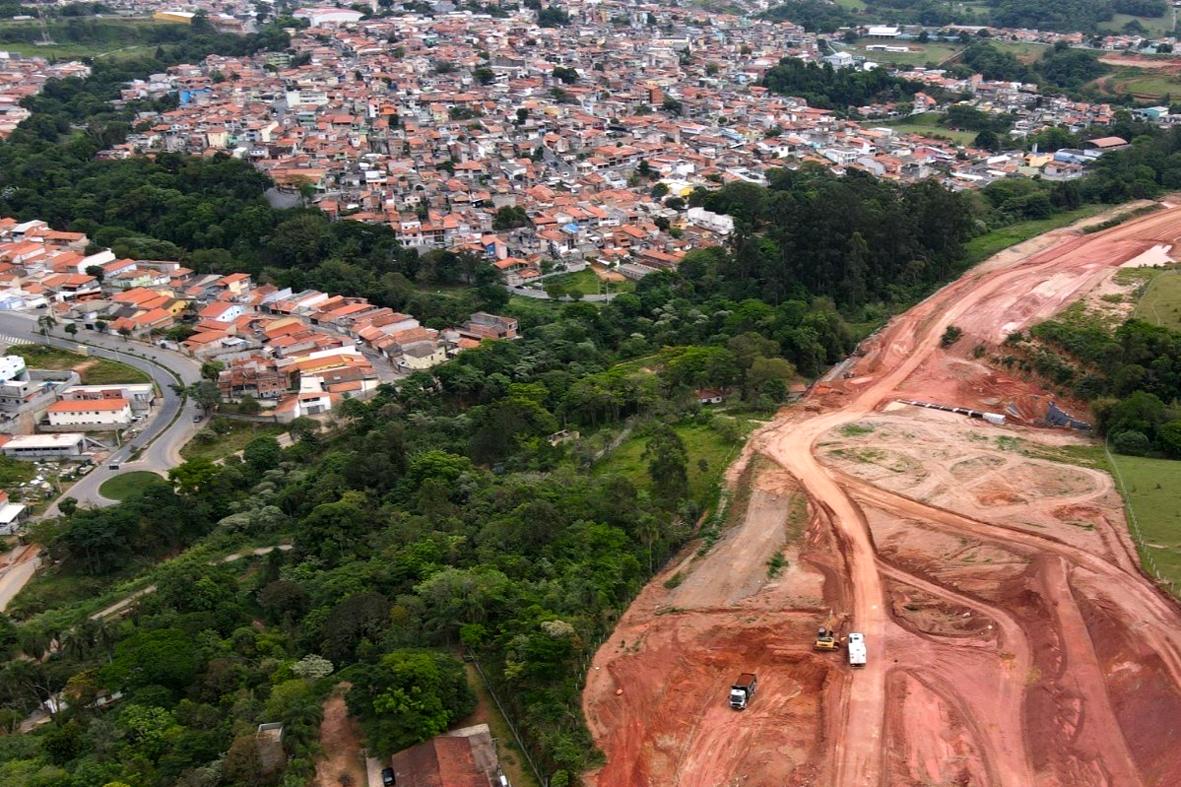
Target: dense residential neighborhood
295, 353
540, 146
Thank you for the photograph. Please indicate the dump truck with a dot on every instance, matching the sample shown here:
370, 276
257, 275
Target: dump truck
743, 690
826, 640
856, 650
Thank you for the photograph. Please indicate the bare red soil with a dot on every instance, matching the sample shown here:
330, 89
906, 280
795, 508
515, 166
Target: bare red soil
1013, 639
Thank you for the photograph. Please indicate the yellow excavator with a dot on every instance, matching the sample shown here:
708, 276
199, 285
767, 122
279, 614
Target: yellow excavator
826, 639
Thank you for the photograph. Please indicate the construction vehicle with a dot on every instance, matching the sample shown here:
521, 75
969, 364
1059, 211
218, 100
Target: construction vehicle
857, 653
826, 639
743, 690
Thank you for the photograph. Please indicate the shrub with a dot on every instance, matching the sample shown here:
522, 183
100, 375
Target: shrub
1131, 442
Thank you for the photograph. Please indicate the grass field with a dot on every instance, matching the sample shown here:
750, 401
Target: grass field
125, 485
1151, 493
1161, 302
927, 124
229, 437
1142, 83
93, 371
920, 54
984, 246
73, 50
77, 51
588, 283
702, 442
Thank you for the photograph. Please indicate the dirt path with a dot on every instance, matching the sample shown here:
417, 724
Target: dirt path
340, 740
998, 592
17, 571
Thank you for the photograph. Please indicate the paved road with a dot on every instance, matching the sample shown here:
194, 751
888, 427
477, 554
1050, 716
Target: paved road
173, 430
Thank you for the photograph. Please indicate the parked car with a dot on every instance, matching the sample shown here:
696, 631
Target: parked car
387, 777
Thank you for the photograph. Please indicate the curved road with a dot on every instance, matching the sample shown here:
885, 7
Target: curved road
170, 427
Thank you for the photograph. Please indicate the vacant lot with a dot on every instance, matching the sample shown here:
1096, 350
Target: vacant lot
587, 282
709, 450
927, 124
125, 485
224, 437
94, 371
1023, 51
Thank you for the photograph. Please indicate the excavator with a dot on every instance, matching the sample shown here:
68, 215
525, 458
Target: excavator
826, 639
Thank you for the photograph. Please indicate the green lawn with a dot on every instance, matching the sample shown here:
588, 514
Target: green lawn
93, 370
984, 246
588, 283
125, 485
1161, 302
702, 442
1152, 490
927, 124
225, 437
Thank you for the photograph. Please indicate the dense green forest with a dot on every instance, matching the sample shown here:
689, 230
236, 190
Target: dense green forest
1131, 375
1060, 68
823, 86
816, 16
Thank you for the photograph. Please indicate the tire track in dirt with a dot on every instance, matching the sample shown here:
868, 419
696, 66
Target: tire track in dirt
1038, 712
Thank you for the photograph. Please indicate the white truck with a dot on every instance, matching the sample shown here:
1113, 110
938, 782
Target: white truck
856, 650
743, 690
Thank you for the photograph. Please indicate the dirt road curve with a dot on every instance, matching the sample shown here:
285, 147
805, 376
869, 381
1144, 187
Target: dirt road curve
1013, 639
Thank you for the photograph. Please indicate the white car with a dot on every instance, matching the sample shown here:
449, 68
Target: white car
857, 653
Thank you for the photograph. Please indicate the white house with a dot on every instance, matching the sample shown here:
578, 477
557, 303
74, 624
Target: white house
90, 414
714, 222
220, 311
328, 16
11, 514
139, 395
39, 446
12, 367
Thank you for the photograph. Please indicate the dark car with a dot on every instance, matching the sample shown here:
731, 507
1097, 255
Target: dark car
387, 777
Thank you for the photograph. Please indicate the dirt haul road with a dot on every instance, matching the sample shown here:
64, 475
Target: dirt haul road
1012, 638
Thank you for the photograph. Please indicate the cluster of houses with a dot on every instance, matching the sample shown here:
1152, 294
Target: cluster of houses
296, 353
21, 77
531, 145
